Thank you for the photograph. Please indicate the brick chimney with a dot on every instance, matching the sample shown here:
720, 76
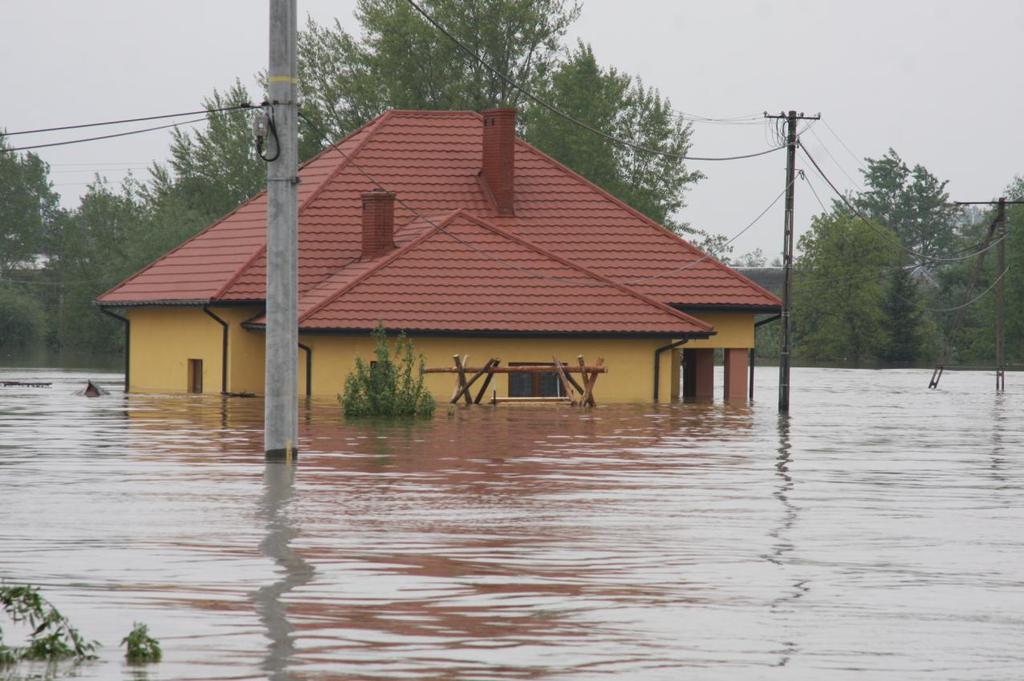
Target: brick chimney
499, 169
378, 223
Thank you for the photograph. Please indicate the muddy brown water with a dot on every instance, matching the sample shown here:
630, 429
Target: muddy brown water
877, 533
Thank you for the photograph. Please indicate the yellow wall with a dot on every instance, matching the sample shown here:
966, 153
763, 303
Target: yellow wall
162, 342
630, 361
163, 339
734, 330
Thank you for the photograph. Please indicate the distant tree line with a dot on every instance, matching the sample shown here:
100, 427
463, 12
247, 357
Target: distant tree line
857, 300
877, 286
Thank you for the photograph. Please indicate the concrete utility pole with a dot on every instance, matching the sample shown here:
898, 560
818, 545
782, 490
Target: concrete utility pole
787, 253
281, 407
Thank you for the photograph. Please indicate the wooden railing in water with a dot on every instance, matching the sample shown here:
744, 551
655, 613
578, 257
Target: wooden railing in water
576, 392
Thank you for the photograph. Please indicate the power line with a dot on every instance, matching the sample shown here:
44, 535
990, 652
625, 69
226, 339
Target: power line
967, 252
835, 160
752, 117
973, 300
140, 119
867, 275
103, 137
889, 234
708, 255
575, 121
854, 156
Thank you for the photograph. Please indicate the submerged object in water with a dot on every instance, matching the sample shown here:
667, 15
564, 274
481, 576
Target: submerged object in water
92, 390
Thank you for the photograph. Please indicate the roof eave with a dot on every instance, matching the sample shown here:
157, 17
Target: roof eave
725, 307
496, 333
195, 302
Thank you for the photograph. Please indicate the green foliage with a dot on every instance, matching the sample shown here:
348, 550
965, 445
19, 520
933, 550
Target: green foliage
623, 107
28, 206
213, 168
52, 636
909, 333
24, 324
910, 201
391, 385
141, 647
839, 290
400, 61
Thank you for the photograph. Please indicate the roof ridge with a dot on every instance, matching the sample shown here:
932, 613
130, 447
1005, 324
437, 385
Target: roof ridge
346, 157
238, 273
370, 126
384, 261
435, 112
667, 233
591, 273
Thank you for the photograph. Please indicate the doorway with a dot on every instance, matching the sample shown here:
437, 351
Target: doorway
195, 375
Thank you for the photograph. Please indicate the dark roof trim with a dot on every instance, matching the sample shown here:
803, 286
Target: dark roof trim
756, 309
180, 303
495, 333
152, 303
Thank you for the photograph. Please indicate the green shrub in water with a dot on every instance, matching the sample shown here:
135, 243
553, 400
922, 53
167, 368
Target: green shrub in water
52, 638
141, 646
390, 385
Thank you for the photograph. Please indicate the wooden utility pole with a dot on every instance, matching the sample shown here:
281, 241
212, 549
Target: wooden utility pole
787, 253
1001, 296
281, 404
998, 231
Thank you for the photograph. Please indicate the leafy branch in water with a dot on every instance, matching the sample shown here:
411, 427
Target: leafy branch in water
52, 637
390, 385
142, 647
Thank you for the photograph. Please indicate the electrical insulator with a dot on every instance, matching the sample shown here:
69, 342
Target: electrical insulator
260, 124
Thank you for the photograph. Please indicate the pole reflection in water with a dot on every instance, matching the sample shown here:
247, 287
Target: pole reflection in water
294, 571
781, 535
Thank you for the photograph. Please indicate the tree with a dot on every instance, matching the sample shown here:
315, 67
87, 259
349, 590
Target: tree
104, 240
593, 95
23, 322
28, 207
912, 202
624, 108
401, 61
751, 259
839, 290
908, 330
212, 169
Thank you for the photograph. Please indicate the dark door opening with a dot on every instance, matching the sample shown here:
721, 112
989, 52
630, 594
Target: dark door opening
195, 375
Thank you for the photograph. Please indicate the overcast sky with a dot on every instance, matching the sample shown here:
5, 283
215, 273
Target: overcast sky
938, 81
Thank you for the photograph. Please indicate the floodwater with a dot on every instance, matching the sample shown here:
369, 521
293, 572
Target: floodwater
877, 533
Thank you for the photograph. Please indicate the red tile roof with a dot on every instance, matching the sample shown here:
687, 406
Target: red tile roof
464, 274
432, 160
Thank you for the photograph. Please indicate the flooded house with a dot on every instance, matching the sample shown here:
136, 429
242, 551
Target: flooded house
445, 225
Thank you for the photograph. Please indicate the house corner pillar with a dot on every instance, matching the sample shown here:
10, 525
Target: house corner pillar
736, 366
699, 374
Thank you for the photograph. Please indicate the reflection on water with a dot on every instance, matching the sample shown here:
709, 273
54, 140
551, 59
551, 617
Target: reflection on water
876, 531
278, 484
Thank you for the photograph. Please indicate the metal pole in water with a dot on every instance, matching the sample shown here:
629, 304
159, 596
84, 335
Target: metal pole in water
281, 407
